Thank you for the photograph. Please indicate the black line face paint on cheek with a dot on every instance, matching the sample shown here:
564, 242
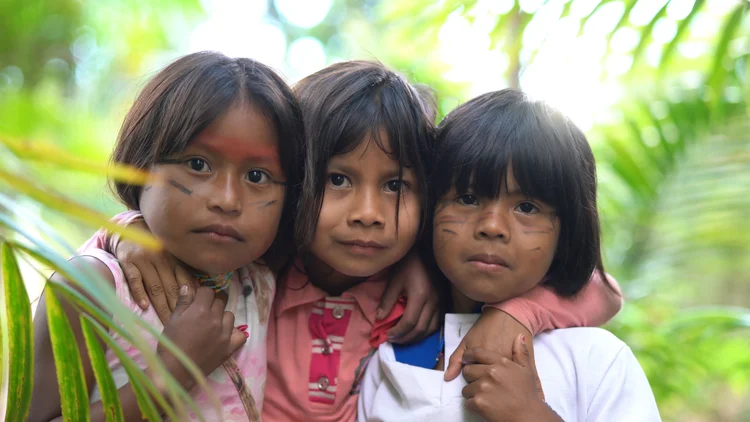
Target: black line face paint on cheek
182, 188
268, 204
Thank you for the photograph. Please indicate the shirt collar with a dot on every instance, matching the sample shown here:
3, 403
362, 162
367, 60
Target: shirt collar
295, 290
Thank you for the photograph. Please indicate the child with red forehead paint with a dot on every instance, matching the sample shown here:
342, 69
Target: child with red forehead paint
222, 140
368, 135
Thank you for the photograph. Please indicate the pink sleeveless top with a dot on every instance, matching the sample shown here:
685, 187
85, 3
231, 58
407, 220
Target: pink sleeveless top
250, 294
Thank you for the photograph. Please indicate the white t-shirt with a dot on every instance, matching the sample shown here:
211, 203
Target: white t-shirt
587, 374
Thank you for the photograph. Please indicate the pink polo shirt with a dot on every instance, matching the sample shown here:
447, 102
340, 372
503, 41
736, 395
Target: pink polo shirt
318, 348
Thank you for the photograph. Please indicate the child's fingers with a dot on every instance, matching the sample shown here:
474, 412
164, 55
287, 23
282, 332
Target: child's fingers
521, 352
483, 356
471, 390
135, 283
236, 341
165, 270
421, 329
472, 373
455, 362
183, 276
227, 322
410, 318
155, 290
187, 296
522, 356
388, 300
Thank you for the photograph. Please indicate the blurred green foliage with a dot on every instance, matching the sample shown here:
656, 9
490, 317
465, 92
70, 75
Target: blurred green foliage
673, 150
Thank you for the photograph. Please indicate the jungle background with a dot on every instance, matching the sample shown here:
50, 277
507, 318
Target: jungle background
660, 87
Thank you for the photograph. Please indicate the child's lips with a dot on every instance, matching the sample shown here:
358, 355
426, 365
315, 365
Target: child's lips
362, 247
488, 262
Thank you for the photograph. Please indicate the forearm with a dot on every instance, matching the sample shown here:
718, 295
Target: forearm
541, 309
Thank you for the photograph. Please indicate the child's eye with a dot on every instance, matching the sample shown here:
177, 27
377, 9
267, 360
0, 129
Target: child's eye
198, 164
258, 177
339, 180
467, 199
395, 185
527, 208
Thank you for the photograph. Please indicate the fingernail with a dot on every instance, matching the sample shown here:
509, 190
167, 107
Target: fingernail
379, 314
184, 289
144, 304
242, 327
247, 335
523, 339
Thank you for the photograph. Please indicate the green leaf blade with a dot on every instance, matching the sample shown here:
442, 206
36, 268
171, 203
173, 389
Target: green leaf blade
74, 396
17, 333
105, 382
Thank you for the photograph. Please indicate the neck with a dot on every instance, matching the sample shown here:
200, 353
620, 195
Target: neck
462, 304
324, 277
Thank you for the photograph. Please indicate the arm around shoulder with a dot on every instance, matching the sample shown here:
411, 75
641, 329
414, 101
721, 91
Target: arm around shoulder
540, 309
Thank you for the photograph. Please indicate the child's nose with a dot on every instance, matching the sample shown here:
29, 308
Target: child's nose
225, 196
366, 209
493, 225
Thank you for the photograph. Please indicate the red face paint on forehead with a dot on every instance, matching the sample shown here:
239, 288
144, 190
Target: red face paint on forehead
237, 149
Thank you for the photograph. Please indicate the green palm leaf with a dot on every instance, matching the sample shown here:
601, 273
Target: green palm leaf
16, 344
74, 396
102, 373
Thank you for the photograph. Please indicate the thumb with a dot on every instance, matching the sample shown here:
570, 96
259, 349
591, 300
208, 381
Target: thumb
455, 363
236, 341
187, 295
521, 352
388, 300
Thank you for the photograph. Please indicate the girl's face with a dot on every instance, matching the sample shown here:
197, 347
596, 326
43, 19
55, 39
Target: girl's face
216, 205
494, 249
356, 232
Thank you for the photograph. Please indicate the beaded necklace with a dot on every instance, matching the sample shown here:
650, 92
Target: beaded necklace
217, 282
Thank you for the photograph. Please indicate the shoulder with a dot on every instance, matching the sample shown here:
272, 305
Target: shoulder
584, 354
581, 340
598, 369
88, 265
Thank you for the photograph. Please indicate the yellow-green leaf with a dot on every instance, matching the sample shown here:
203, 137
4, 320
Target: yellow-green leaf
17, 345
102, 373
56, 201
138, 381
50, 154
74, 397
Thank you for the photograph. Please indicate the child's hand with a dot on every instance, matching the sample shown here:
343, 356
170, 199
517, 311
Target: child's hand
504, 390
159, 271
421, 316
202, 329
495, 330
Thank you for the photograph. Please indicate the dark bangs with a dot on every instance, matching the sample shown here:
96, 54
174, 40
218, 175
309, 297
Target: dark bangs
480, 140
348, 103
551, 161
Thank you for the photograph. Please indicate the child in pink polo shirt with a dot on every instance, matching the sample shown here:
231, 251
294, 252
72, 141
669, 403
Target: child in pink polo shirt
369, 136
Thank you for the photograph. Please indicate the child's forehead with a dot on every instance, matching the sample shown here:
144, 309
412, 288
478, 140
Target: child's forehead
235, 147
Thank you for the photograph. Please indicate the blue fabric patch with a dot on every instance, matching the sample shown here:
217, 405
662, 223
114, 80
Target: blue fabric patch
423, 354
